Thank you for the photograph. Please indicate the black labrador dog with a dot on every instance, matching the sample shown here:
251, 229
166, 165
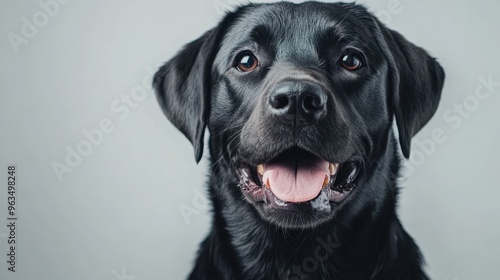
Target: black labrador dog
299, 100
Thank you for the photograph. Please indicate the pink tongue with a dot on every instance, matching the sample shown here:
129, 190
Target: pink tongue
296, 181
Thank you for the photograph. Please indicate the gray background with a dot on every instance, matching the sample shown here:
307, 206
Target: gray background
116, 215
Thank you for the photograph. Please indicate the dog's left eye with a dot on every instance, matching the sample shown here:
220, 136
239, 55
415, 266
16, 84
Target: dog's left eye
352, 60
246, 62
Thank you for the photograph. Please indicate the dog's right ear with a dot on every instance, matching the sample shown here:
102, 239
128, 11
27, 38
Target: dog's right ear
182, 87
417, 82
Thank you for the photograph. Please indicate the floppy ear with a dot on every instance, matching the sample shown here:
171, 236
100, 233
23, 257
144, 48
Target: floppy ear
417, 81
182, 87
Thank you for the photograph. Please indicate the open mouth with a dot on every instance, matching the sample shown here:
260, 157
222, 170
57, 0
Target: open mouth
297, 178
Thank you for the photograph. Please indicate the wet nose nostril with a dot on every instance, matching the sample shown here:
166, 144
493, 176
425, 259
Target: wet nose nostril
279, 102
312, 103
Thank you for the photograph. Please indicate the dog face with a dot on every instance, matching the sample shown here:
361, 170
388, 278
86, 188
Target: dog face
299, 100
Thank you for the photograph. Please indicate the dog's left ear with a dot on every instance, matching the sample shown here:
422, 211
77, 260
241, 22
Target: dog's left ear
416, 82
182, 87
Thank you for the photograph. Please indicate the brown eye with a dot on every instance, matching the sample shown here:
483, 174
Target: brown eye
351, 61
247, 62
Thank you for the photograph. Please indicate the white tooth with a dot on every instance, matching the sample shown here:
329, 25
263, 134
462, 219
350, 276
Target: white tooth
325, 183
280, 202
268, 186
333, 168
260, 169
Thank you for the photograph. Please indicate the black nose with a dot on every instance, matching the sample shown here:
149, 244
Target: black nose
298, 102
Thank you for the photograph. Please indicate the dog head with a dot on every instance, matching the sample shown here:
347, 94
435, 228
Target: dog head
299, 100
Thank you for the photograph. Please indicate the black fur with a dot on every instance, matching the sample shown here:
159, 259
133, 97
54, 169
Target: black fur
361, 237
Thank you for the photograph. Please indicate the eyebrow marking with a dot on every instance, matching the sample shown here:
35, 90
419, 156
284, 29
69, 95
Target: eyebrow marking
261, 35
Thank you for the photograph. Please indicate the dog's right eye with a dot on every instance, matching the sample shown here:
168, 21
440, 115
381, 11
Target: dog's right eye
352, 60
246, 62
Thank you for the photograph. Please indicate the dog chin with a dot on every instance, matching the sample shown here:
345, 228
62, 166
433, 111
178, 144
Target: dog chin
297, 189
